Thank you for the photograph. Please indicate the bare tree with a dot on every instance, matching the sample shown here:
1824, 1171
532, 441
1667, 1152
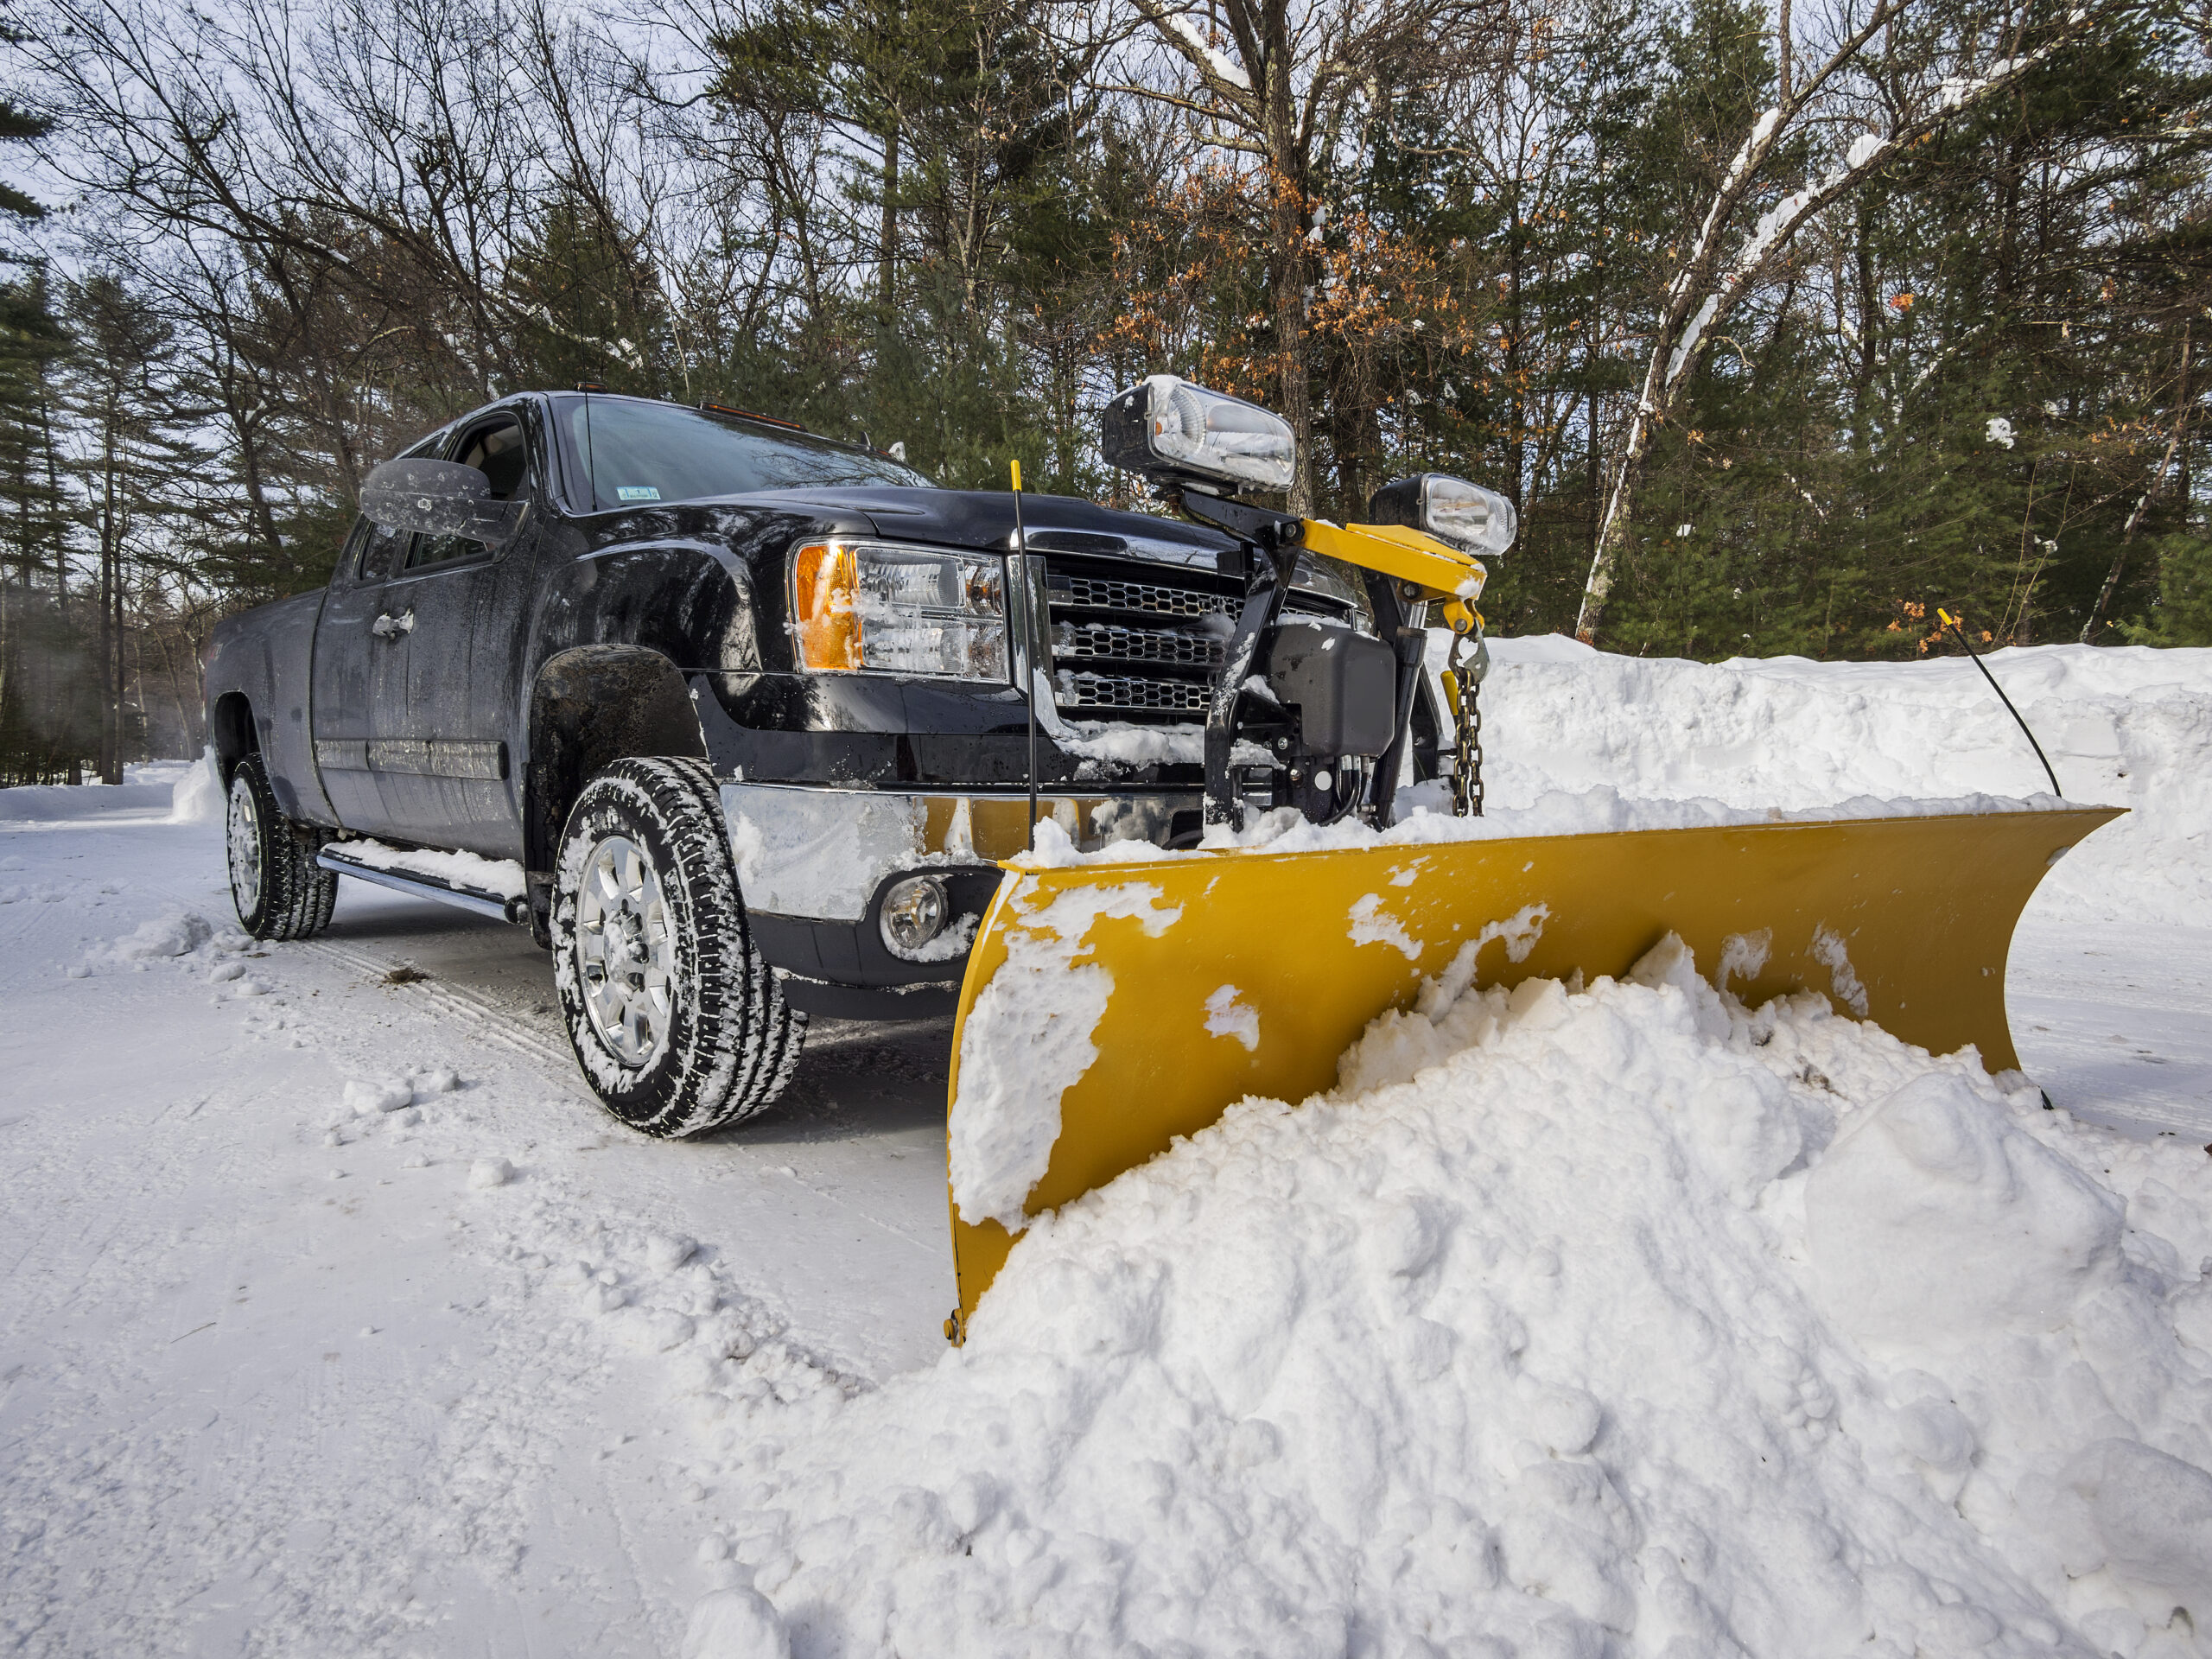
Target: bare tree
1278, 82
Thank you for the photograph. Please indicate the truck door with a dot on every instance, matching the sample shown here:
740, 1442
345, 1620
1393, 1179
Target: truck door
360, 658
442, 758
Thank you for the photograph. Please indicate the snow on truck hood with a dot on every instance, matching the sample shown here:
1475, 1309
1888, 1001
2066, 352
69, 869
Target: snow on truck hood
1620, 1321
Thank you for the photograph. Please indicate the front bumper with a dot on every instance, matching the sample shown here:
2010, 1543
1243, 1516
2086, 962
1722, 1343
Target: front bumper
814, 863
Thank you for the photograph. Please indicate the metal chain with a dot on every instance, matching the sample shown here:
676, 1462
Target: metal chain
1462, 690
1467, 797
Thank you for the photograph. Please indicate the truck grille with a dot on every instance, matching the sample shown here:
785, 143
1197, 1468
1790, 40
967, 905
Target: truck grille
1118, 651
1123, 694
1123, 643
1086, 593
1108, 642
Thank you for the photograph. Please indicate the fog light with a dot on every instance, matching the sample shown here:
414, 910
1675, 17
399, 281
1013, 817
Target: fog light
914, 912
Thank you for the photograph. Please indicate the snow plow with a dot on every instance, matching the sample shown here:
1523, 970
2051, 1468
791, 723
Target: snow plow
1116, 1001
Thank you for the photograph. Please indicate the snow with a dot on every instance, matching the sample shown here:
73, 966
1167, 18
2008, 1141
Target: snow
1028, 1038
1228, 1016
500, 877
196, 794
1121, 743
1611, 1321
1219, 64
2124, 727
1614, 1319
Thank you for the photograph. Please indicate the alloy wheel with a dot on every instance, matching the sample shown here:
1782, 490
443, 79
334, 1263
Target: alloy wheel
626, 951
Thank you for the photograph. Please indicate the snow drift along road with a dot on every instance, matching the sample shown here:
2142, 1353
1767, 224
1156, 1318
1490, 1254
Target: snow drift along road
2125, 727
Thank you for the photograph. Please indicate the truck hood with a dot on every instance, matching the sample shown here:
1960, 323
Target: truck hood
984, 519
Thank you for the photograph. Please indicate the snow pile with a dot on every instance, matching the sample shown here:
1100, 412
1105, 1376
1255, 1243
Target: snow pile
1570, 1323
2125, 727
196, 797
172, 933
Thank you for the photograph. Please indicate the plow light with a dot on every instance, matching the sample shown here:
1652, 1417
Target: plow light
1174, 432
1451, 509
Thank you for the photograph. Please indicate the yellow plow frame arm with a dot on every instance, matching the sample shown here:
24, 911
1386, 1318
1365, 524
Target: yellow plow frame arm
1244, 973
1440, 570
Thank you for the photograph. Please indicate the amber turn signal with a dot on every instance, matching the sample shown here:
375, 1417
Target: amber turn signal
825, 606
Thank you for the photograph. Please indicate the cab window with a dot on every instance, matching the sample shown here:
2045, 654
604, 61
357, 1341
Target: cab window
496, 450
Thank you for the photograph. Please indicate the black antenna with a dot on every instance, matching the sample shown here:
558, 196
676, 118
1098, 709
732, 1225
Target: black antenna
1028, 691
1952, 622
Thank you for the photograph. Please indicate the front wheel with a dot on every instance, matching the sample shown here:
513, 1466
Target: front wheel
674, 1016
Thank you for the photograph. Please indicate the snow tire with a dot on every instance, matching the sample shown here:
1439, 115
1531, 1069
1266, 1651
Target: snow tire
713, 1041
277, 887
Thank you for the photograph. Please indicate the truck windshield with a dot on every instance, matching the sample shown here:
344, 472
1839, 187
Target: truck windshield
635, 452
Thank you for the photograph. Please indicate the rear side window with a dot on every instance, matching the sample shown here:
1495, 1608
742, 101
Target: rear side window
374, 551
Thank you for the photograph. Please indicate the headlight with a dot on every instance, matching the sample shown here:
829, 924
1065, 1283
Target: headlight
889, 609
1335, 580
1166, 428
1450, 509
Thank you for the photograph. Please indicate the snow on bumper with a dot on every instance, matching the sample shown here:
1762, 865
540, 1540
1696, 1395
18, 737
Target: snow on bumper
823, 854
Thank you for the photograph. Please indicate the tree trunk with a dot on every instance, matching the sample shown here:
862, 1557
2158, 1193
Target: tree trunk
2150, 489
886, 258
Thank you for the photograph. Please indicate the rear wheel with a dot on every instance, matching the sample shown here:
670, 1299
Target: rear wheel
674, 1016
277, 887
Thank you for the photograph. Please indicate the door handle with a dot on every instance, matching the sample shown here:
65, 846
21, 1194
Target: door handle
390, 627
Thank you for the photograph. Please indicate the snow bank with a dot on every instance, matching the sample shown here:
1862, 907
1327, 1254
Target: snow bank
2125, 727
75, 803
1611, 1322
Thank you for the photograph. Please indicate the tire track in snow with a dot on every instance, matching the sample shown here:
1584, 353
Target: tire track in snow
487, 1017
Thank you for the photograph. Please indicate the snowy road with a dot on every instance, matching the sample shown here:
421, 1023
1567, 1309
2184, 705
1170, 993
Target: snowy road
280, 1376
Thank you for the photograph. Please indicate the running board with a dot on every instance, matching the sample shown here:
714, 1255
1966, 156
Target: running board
426, 887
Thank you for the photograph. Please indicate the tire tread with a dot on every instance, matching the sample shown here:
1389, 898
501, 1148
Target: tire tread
742, 1042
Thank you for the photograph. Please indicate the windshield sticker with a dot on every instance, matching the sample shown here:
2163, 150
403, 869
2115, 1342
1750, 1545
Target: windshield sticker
636, 492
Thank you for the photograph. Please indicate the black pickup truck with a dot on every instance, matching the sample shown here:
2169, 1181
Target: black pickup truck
737, 718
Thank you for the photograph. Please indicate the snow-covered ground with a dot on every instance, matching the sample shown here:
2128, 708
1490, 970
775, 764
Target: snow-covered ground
339, 1320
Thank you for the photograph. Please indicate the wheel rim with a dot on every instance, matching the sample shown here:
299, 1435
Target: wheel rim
244, 837
626, 951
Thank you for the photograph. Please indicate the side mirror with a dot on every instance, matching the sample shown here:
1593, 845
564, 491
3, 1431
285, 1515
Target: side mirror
438, 497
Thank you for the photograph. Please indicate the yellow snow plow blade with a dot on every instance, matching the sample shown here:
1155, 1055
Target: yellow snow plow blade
1133, 1002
